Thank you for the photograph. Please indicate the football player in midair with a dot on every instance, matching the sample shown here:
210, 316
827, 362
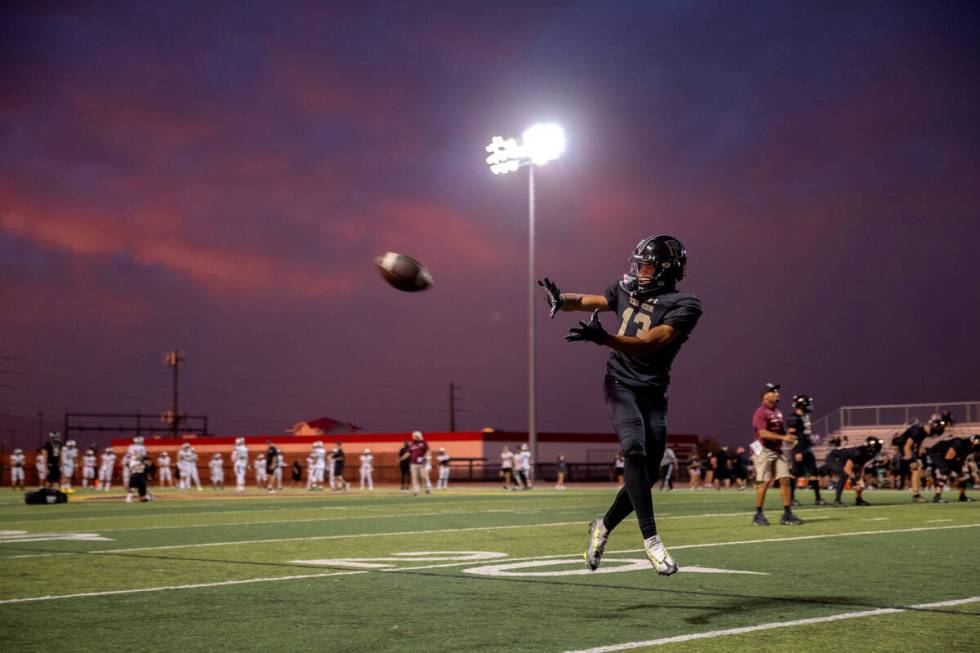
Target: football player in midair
848, 465
949, 464
655, 320
804, 463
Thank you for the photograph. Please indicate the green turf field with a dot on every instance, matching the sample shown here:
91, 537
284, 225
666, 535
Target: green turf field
481, 569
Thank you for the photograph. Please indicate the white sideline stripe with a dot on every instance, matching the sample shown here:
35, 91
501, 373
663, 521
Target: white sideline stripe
770, 626
245, 581
936, 521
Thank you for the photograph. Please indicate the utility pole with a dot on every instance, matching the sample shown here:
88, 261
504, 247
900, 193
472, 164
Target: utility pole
452, 407
173, 359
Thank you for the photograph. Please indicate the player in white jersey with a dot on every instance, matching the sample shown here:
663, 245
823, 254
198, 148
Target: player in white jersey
217, 466
443, 459
239, 460
427, 470
277, 467
367, 469
317, 468
507, 467
188, 458
522, 461
68, 456
106, 467
163, 470
41, 465
17, 469
261, 476
88, 467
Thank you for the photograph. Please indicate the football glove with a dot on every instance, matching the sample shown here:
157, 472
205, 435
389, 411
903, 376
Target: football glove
553, 295
590, 331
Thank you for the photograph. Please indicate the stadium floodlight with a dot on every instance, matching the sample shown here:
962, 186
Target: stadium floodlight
539, 144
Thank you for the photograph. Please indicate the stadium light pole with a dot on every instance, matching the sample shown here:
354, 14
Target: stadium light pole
539, 144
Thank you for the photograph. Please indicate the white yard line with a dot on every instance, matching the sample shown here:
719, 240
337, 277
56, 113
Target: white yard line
272, 579
770, 626
166, 588
937, 521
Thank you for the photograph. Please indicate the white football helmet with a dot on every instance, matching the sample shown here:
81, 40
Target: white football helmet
416, 435
137, 440
239, 441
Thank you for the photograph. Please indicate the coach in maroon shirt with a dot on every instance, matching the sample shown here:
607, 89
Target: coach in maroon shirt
768, 458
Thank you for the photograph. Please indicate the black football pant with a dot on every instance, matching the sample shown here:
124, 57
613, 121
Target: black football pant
640, 419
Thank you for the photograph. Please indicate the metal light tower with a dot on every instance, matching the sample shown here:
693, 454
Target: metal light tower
173, 416
540, 143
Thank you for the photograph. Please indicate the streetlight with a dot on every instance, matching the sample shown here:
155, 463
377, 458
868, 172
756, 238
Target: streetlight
539, 144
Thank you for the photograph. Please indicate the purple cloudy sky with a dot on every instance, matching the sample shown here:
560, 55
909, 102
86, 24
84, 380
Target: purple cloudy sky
217, 177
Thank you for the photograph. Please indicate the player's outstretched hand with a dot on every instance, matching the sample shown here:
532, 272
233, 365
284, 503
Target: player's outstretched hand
590, 331
552, 294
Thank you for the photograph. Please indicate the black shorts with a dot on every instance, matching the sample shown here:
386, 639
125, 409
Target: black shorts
722, 473
940, 466
338, 469
138, 482
805, 467
835, 466
640, 418
54, 474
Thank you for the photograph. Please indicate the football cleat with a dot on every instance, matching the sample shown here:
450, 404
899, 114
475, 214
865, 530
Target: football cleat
861, 502
965, 498
939, 499
760, 520
795, 503
820, 502
918, 498
838, 504
597, 544
790, 520
658, 556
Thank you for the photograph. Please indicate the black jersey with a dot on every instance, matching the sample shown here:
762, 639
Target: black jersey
857, 455
639, 314
800, 425
960, 445
916, 433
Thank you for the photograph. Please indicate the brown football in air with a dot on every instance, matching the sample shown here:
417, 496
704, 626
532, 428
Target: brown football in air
403, 272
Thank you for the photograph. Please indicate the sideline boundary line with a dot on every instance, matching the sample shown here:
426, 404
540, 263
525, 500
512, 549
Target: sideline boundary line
771, 626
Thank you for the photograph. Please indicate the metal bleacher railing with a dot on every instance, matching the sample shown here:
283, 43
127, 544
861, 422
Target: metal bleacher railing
881, 420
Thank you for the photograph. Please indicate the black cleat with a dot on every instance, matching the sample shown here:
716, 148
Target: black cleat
917, 498
790, 520
760, 519
963, 497
820, 502
838, 504
861, 502
795, 503
939, 499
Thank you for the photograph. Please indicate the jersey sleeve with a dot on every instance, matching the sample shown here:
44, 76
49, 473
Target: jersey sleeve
759, 422
684, 314
612, 297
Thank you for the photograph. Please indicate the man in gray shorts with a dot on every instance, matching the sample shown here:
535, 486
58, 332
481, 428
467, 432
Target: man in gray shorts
768, 458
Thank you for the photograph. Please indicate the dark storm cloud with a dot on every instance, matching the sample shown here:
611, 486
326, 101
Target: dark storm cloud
219, 178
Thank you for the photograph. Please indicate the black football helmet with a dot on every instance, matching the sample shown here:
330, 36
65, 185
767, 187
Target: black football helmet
936, 427
873, 445
668, 257
975, 442
804, 402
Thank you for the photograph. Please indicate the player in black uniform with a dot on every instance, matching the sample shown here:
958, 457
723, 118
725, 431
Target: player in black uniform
804, 463
847, 465
910, 448
948, 458
655, 320
53, 449
271, 458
